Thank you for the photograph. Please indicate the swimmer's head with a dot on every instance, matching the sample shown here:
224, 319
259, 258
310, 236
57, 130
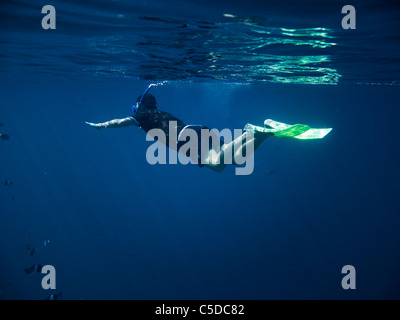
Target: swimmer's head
147, 102
143, 103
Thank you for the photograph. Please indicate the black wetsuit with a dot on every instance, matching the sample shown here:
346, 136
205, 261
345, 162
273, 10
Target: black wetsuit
149, 119
156, 119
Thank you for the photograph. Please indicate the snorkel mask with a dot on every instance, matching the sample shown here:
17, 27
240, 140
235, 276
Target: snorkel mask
136, 107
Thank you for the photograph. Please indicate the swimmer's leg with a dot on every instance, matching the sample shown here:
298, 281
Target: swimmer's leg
239, 149
253, 136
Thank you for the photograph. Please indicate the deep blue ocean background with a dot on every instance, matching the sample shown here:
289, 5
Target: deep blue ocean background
115, 227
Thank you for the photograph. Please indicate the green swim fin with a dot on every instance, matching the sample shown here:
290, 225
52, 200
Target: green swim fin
283, 130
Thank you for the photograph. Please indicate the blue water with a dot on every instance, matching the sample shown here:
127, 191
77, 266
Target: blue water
116, 227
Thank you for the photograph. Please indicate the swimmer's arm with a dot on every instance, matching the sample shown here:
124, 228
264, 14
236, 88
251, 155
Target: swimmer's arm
116, 123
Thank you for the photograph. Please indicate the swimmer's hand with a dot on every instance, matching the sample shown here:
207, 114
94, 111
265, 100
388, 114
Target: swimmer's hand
96, 125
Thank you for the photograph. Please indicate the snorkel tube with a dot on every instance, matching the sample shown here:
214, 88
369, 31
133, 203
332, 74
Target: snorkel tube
136, 107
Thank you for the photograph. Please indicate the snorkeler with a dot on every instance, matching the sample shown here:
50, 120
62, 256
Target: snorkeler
148, 117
